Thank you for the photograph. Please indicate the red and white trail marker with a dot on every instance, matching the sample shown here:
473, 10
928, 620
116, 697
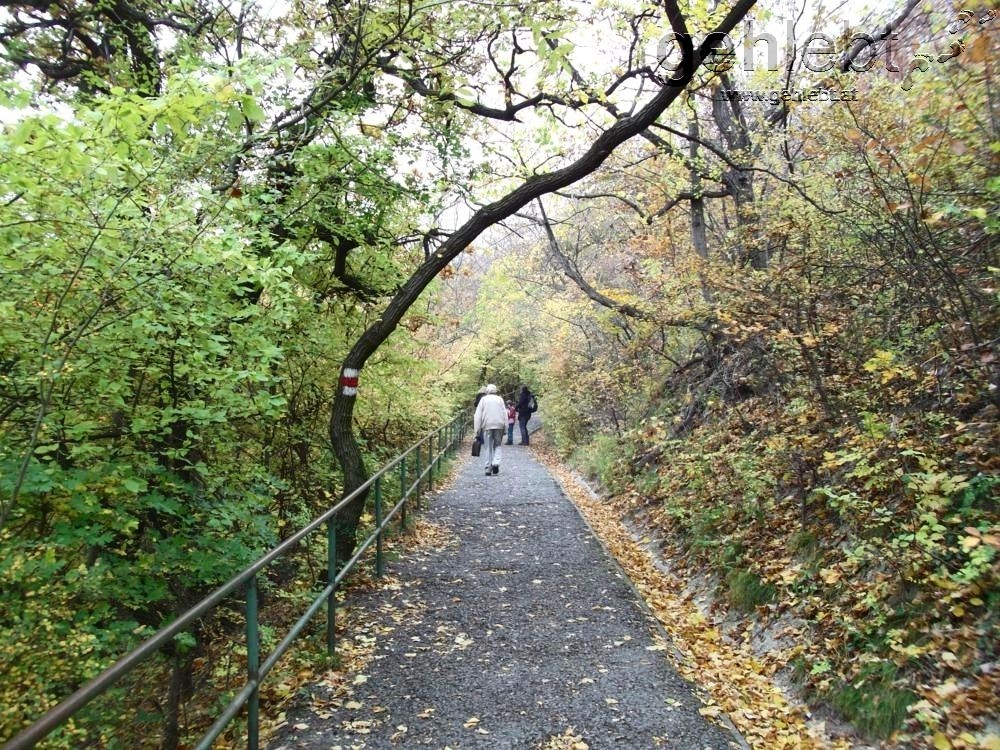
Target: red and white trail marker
349, 380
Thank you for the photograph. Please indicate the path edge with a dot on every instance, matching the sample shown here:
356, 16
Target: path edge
724, 719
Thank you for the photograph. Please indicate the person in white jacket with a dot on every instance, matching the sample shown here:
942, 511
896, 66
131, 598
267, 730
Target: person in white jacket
491, 418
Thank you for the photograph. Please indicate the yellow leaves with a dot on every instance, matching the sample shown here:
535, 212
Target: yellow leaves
696, 619
358, 726
399, 734
881, 360
976, 537
904, 513
963, 741
854, 135
789, 574
830, 575
912, 650
885, 364
568, 740
949, 658
946, 689
970, 542
473, 723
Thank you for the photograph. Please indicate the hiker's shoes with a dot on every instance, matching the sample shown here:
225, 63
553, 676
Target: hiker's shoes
488, 471
496, 469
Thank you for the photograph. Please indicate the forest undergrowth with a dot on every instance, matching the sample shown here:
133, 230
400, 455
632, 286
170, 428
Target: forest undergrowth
796, 392
868, 545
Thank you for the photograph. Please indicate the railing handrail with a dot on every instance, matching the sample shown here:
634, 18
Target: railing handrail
57, 715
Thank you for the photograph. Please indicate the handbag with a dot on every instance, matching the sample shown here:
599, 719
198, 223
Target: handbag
477, 445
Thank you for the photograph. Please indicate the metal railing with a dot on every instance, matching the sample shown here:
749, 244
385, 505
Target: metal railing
447, 437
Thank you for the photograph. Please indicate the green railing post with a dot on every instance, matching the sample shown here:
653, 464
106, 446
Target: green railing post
253, 666
416, 496
431, 461
379, 564
331, 574
402, 492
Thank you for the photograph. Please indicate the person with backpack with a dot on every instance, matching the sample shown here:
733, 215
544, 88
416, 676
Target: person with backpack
479, 396
491, 418
527, 405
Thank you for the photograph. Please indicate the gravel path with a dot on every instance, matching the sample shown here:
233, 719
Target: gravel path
521, 631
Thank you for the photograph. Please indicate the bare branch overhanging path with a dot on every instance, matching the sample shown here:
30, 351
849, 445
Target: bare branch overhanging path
520, 630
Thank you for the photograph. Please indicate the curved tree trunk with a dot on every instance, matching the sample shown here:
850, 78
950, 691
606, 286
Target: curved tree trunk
352, 464
341, 419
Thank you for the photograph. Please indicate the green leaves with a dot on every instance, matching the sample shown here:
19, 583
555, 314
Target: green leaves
171, 340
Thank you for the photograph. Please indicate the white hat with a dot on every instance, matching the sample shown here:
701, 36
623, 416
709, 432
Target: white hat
491, 388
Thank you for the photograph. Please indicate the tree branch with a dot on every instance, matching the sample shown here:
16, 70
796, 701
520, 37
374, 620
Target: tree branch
740, 167
576, 277
860, 45
534, 187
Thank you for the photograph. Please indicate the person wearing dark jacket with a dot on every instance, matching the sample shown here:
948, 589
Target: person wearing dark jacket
526, 406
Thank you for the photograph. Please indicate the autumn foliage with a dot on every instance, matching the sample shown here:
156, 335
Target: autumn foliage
819, 434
